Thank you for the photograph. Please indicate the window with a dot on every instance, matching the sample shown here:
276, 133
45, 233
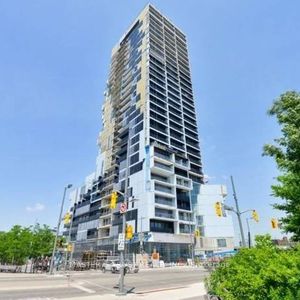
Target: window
136, 168
161, 226
138, 128
135, 139
134, 158
199, 220
134, 148
158, 136
138, 97
221, 243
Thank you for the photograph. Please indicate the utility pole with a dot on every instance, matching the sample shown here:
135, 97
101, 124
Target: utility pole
122, 290
141, 235
249, 234
238, 213
69, 236
57, 230
192, 240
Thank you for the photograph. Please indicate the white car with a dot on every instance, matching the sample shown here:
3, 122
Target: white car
114, 266
128, 267
107, 266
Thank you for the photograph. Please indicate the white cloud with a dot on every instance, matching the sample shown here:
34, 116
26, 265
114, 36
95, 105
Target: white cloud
36, 207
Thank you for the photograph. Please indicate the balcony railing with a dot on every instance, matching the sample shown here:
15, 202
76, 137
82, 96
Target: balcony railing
162, 166
160, 178
163, 156
182, 162
163, 189
161, 215
182, 182
184, 218
159, 200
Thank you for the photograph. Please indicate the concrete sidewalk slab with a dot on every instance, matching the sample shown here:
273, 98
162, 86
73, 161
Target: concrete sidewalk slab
181, 293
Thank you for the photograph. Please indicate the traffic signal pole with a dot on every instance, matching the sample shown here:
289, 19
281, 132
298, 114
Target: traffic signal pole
249, 234
57, 229
122, 290
69, 239
238, 213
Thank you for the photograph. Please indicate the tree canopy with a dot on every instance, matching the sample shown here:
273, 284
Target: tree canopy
21, 243
261, 273
286, 153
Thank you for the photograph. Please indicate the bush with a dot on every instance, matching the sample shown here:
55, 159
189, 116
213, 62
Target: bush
261, 273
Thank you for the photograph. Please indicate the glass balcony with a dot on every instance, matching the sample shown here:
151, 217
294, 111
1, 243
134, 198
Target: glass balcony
161, 155
163, 201
185, 217
161, 213
162, 166
160, 178
182, 182
182, 162
164, 189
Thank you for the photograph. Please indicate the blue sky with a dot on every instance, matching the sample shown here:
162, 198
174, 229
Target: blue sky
54, 60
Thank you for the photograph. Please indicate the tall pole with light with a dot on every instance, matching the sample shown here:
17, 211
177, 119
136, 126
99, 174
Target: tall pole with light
249, 234
219, 212
238, 213
57, 228
70, 246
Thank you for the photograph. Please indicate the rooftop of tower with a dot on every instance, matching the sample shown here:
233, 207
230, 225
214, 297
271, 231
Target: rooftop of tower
146, 8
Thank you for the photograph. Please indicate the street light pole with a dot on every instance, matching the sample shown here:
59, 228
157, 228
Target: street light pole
141, 236
57, 229
122, 290
249, 234
238, 213
69, 235
191, 239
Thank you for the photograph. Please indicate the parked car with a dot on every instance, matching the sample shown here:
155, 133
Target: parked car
107, 265
114, 266
128, 267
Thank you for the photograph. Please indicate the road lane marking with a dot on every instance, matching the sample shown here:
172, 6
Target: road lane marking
77, 286
98, 285
19, 288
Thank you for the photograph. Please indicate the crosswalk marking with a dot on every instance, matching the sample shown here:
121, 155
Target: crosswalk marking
77, 286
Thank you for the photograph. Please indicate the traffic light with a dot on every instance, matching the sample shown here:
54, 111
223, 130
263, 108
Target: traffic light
255, 216
218, 209
197, 233
67, 218
113, 200
274, 223
129, 232
70, 247
60, 243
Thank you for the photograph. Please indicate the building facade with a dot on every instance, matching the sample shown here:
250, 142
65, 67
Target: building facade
149, 137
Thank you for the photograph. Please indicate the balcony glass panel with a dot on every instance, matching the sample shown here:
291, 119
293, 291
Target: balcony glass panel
162, 188
162, 166
160, 178
163, 200
163, 213
162, 154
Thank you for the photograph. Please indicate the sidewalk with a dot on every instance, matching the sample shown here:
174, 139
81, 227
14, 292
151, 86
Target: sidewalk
194, 290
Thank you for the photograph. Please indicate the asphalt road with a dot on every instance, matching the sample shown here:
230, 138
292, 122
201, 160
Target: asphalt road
46, 287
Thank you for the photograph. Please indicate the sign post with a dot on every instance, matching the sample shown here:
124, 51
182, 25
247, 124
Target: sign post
121, 242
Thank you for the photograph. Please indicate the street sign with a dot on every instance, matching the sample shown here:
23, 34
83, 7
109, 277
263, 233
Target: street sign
141, 236
123, 208
121, 241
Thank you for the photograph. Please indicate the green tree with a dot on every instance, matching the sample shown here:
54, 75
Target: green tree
20, 243
286, 152
261, 273
17, 244
42, 241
